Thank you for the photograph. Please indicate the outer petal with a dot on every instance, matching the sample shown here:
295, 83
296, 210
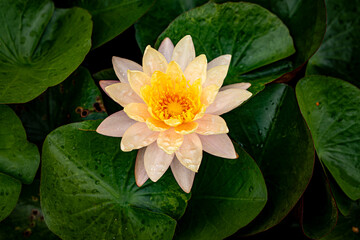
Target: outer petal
186, 128
122, 65
115, 125
137, 111
156, 161
211, 124
196, 69
137, 80
190, 152
156, 125
219, 145
221, 60
166, 48
184, 52
208, 94
227, 100
243, 85
122, 94
183, 176
140, 172
170, 141
153, 61
104, 83
137, 136
216, 76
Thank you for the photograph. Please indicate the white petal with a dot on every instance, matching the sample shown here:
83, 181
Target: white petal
227, 100
140, 172
104, 83
222, 60
123, 94
115, 125
211, 124
190, 152
137, 136
183, 176
184, 52
156, 161
219, 145
216, 76
122, 65
243, 85
166, 48
153, 61
196, 69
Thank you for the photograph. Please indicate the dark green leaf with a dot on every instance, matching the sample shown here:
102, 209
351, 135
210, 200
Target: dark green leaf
112, 17
39, 47
226, 196
9, 193
331, 108
339, 54
106, 74
271, 129
88, 187
343, 202
251, 34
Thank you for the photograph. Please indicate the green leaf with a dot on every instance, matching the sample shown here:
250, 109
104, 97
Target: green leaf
151, 25
18, 158
271, 129
39, 47
339, 54
26, 221
112, 17
331, 109
75, 99
106, 74
319, 212
88, 187
347, 227
251, 34
9, 193
227, 194
343, 202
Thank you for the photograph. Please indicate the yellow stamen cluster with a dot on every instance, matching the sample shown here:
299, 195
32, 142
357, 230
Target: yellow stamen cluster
171, 98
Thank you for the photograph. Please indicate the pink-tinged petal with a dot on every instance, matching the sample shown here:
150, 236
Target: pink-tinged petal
218, 145
227, 100
122, 65
137, 111
166, 48
216, 76
115, 125
153, 61
190, 152
104, 83
156, 125
140, 172
221, 60
186, 128
137, 80
208, 94
211, 124
183, 176
196, 69
156, 161
243, 85
184, 52
123, 94
137, 136
170, 141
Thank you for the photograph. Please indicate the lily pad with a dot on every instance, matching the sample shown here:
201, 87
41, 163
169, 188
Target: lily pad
339, 54
251, 34
226, 196
9, 193
331, 108
112, 17
39, 47
75, 99
88, 187
271, 129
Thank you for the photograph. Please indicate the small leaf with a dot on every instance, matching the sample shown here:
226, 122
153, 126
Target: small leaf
9, 193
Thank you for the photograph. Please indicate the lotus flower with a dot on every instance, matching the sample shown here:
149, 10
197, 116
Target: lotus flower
171, 110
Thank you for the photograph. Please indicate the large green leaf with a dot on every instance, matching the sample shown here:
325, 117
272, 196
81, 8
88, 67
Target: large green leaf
271, 129
112, 17
339, 54
39, 46
319, 212
88, 187
226, 196
9, 193
331, 108
251, 34
75, 99
26, 221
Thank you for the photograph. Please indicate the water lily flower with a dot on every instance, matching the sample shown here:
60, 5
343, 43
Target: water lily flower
171, 110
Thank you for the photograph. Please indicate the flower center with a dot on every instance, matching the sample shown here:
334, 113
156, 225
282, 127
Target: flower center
171, 98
